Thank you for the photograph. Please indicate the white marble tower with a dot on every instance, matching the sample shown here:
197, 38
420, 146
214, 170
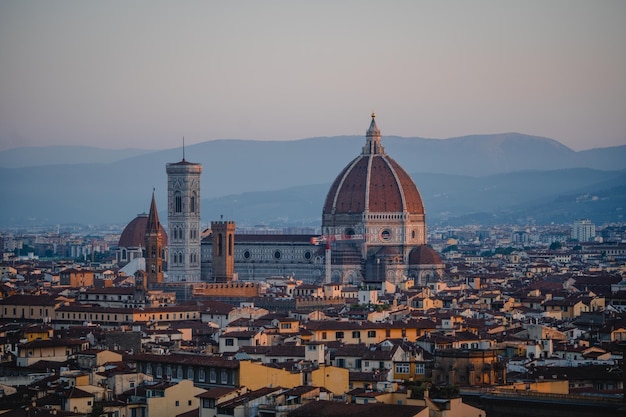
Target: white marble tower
183, 221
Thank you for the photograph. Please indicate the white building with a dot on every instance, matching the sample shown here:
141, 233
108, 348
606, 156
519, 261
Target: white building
583, 230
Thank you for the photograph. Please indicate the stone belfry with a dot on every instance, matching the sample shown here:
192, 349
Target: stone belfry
183, 221
154, 247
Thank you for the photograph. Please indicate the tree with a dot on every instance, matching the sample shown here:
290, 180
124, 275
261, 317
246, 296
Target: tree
97, 410
556, 245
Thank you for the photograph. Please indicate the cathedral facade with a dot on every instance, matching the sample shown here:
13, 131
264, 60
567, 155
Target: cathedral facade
373, 231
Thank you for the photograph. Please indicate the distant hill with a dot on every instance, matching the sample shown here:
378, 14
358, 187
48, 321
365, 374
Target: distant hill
559, 196
288, 180
57, 155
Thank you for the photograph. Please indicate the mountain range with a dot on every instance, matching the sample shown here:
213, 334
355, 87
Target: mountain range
486, 179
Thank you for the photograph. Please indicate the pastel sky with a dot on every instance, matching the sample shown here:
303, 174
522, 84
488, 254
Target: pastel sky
143, 74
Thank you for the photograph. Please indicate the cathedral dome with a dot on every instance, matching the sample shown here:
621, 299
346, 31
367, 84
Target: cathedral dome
373, 182
134, 233
424, 255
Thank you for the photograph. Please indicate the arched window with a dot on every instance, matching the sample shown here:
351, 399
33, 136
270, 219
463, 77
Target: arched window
230, 245
190, 373
220, 249
178, 201
192, 203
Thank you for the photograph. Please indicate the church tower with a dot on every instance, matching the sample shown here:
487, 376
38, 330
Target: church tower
154, 247
183, 221
223, 251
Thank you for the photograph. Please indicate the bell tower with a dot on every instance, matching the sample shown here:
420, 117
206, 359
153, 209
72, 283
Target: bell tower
153, 247
183, 221
223, 251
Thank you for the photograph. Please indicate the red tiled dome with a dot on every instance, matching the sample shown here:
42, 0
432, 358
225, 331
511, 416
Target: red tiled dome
374, 182
134, 233
424, 255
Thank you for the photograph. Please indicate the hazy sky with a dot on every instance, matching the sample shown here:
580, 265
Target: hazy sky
144, 74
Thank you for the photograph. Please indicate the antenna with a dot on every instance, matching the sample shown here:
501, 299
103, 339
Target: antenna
183, 148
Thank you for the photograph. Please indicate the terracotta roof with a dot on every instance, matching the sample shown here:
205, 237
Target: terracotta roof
202, 360
29, 300
336, 409
373, 182
134, 234
216, 393
424, 255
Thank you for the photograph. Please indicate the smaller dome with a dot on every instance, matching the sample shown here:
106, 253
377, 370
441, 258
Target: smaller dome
134, 233
424, 255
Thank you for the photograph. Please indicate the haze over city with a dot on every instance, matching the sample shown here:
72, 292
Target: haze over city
144, 74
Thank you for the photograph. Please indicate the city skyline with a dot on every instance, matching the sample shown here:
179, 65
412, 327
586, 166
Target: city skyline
143, 75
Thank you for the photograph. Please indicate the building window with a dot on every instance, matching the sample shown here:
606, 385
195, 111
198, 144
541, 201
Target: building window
190, 374
201, 376
192, 203
323, 335
371, 333
338, 335
403, 368
230, 342
178, 201
356, 334
213, 375
420, 369
177, 403
224, 377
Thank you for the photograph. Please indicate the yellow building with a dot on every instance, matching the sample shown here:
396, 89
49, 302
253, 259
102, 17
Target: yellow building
254, 375
77, 314
38, 333
57, 350
166, 399
77, 400
368, 333
76, 277
28, 307
92, 358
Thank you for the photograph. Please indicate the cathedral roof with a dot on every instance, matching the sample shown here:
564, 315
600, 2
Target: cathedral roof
373, 182
424, 255
134, 233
